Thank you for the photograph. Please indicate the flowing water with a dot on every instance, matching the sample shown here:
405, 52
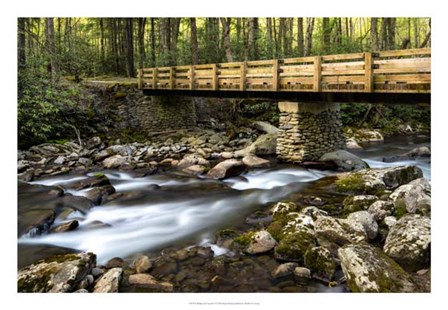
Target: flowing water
171, 210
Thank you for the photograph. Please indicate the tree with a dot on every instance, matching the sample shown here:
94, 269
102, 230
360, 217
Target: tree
374, 34
300, 46
326, 37
21, 42
153, 42
49, 43
194, 42
226, 33
309, 36
141, 41
129, 43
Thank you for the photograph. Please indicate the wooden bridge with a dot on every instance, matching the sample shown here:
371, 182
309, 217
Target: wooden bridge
402, 76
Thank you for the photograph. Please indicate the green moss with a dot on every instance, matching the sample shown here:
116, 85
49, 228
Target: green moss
227, 233
119, 95
400, 211
320, 262
275, 229
59, 141
293, 246
352, 183
245, 239
99, 175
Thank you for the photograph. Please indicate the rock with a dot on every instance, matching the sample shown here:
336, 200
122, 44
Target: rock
284, 270
98, 194
409, 242
57, 274
351, 144
241, 153
313, 212
252, 161
282, 208
422, 151
381, 209
264, 145
226, 169
60, 160
414, 197
368, 269
68, 226
344, 160
142, 264
109, 282
165, 269
226, 155
266, 127
321, 263
114, 263
358, 202
261, 242
97, 272
85, 161
363, 220
101, 155
114, 162
390, 221
194, 169
94, 181
302, 273
365, 135
82, 290
337, 231
22, 165
93, 143
192, 159
145, 280
86, 283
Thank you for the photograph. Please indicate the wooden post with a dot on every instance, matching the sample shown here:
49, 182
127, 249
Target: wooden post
191, 77
214, 77
172, 70
140, 78
154, 78
368, 73
275, 75
317, 73
243, 76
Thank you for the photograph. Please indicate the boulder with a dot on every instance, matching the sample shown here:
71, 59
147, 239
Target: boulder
351, 144
142, 264
97, 180
264, 145
194, 169
282, 208
68, 226
414, 197
344, 160
226, 155
337, 231
98, 194
252, 161
321, 263
114, 162
363, 221
145, 280
114, 263
365, 135
284, 270
57, 274
226, 169
60, 160
266, 127
417, 152
109, 282
381, 209
409, 242
93, 143
368, 269
302, 273
358, 202
85, 161
390, 221
191, 160
261, 242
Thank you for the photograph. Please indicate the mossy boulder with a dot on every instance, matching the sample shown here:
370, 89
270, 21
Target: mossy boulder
282, 208
261, 242
409, 242
368, 269
363, 221
293, 246
57, 274
414, 197
381, 209
358, 202
337, 231
321, 263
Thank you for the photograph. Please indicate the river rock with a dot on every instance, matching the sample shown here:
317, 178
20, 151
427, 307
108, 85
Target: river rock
114, 162
142, 264
93, 143
60, 160
390, 221
93, 181
98, 194
261, 242
337, 231
252, 161
344, 160
68, 226
284, 270
351, 144
109, 282
264, 145
145, 280
226, 169
101, 155
266, 127
302, 273
85, 161
114, 263
194, 169
226, 155
321, 263
57, 274
381, 209
365, 135
282, 208
409, 241
414, 197
358, 202
422, 151
368, 269
363, 221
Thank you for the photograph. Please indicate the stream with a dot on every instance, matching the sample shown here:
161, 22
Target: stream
173, 210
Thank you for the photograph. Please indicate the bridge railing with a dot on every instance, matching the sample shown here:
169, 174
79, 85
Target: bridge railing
386, 71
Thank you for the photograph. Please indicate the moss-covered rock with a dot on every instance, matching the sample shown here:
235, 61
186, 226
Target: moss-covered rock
381, 209
337, 231
368, 269
321, 263
261, 242
282, 208
414, 197
56, 274
293, 246
358, 202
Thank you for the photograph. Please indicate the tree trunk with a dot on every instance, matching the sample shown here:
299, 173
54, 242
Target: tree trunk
175, 24
309, 36
141, 41
300, 36
226, 33
270, 43
416, 33
21, 40
194, 41
129, 46
326, 37
391, 33
374, 33
165, 40
383, 35
153, 42
249, 50
49, 36
102, 39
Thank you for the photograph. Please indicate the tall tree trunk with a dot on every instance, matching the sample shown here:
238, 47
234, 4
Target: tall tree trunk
281, 37
383, 35
300, 36
249, 50
165, 40
153, 42
309, 36
270, 43
427, 40
129, 46
194, 41
256, 34
374, 33
49, 40
21, 40
416, 33
226, 33
326, 37
141, 41
102, 39
391, 32
175, 24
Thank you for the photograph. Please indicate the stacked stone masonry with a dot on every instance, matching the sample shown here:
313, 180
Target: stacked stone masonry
307, 131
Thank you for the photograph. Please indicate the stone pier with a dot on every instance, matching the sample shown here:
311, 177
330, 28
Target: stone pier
308, 130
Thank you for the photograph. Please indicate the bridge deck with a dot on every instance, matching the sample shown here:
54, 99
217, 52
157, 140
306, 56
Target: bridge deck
397, 72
